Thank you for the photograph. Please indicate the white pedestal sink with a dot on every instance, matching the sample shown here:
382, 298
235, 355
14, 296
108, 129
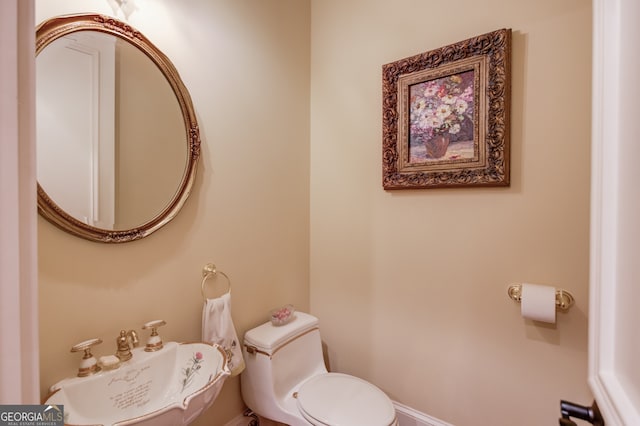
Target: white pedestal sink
169, 387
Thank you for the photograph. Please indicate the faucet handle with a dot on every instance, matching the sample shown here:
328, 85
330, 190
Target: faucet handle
155, 342
88, 365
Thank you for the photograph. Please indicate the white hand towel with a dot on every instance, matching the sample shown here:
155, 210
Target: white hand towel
217, 327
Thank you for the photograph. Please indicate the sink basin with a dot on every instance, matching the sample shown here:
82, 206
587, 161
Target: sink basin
169, 387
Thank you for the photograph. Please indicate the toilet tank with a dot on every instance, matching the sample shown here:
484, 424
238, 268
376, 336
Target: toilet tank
279, 358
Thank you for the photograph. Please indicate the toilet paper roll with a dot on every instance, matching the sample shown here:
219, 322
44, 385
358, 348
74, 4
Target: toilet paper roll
538, 302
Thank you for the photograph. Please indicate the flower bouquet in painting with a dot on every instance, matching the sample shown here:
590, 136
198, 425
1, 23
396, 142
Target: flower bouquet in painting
441, 113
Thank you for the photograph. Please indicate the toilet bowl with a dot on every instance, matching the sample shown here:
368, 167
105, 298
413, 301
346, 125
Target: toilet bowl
286, 380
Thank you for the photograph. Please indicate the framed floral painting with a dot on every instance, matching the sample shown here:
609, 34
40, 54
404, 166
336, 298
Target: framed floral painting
446, 115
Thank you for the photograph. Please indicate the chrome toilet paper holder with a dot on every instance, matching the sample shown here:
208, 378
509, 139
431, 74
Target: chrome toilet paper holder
564, 299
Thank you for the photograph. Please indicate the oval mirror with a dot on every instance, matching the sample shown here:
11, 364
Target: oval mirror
116, 134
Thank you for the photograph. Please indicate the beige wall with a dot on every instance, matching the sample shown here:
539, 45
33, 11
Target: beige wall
411, 286
246, 64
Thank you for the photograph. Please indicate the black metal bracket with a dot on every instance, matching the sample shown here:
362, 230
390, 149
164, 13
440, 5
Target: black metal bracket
255, 420
571, 410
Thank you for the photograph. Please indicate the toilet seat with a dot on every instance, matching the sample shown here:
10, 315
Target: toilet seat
335, 399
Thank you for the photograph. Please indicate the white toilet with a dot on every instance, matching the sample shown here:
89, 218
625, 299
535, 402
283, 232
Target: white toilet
286, 380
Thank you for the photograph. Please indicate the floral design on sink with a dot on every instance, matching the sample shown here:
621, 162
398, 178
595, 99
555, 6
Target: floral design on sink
172, 386
192, 369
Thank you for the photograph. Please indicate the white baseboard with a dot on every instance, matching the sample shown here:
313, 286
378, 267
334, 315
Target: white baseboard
407, 416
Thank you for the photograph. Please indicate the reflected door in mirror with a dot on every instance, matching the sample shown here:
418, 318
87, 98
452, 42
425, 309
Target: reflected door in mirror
75, 126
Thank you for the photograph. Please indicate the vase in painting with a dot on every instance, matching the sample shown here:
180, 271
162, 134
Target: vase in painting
436, 147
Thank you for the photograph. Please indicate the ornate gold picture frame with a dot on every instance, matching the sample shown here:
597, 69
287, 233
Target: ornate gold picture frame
446, 115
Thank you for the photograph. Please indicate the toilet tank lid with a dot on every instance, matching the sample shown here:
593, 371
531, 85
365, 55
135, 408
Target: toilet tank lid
268, 337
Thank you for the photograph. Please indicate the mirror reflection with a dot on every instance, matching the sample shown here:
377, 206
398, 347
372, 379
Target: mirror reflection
117, 140
109, 131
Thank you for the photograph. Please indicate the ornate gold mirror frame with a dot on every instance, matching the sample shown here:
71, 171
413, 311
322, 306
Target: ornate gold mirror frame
57, 27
